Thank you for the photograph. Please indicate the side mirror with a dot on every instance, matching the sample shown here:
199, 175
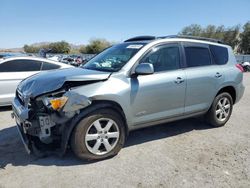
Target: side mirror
144, 69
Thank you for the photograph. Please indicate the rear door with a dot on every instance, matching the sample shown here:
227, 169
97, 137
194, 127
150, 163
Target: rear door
160, 95
203, 77
11, 73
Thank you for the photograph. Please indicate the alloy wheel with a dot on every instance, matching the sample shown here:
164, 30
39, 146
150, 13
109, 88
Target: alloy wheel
102, 136
223, 109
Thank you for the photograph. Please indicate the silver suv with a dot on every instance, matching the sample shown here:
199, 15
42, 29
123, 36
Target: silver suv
141, 82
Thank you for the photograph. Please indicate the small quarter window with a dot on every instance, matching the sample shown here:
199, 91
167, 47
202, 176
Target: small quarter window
220, 54
49, 66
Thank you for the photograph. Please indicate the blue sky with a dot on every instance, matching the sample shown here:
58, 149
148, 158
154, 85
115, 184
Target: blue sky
30, 21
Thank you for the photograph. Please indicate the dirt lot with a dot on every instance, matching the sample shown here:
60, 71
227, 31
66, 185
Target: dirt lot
186, 153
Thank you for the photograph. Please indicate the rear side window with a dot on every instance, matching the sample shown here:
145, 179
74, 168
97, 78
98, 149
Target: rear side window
21, 65
197, 56
220, 54
49, 66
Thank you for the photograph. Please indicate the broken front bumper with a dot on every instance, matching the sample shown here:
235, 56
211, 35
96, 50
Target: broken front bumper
24, 139
43, 130
20, 113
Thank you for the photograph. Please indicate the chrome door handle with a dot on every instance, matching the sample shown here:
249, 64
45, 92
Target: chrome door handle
179, 80
218, 75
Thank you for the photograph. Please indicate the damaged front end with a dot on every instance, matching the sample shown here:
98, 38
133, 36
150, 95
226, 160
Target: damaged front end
45, 105
41, 122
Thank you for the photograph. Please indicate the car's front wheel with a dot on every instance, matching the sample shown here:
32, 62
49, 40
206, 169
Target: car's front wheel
99, 135
221, 110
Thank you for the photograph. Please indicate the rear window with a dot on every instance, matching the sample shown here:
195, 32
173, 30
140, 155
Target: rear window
220, 54
197, 56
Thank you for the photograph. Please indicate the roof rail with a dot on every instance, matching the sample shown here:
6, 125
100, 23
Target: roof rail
193, 37
139, 38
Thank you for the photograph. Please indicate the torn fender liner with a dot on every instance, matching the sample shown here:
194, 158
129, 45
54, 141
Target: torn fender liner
49, 81
75, 102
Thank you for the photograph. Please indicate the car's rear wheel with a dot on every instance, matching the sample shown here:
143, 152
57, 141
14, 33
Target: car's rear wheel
221, 110
99, 135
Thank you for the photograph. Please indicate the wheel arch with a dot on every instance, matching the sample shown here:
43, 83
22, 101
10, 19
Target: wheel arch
229, 89
96, 104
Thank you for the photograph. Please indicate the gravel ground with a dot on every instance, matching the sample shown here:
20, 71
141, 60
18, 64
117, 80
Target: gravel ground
186, 153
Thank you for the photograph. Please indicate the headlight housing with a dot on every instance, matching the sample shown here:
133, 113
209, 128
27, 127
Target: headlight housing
56, 103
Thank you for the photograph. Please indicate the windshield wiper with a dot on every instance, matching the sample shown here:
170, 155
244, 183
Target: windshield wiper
98, 69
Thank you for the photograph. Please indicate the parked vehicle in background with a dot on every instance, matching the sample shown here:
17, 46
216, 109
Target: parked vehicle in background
2, 56
242, 58
141, 82
43, 52
67, 59
246, 66
7, 55
15, 69
54, 57
71, 59
75, 60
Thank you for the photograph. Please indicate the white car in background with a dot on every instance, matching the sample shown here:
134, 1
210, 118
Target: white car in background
55, 57
14, 69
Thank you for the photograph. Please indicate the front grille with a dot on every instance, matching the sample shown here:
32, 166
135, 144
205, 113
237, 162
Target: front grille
14, 110
20, 97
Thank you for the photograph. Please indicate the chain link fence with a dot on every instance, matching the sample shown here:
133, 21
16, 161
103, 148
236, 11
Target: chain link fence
242, 58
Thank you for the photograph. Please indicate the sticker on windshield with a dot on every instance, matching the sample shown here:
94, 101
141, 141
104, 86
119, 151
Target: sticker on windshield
134, 46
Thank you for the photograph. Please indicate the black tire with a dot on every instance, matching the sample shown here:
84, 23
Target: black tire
78, 136
211, 116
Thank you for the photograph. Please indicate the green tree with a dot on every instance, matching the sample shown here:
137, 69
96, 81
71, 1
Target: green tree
74, 51
82, 49
60, 47
30, 49
229, 35
209, 31
97, 45
245, 39
232, 36
219, 33
193, 30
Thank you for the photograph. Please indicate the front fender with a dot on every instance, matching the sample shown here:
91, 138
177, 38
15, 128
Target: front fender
69, 127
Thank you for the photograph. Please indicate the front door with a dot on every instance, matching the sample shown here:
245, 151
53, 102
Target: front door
160, 95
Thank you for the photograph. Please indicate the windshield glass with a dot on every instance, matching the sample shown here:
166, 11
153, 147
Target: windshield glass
114, 58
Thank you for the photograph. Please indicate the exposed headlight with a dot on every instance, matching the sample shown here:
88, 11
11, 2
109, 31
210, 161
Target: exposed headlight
58, 103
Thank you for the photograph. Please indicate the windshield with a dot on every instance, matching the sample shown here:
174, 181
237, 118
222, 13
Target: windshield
114, 58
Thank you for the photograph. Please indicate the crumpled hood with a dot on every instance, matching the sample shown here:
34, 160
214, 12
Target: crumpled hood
49, 81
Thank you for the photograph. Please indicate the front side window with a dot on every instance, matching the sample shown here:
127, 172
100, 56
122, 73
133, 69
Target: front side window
163, 58
113, 58
20, 65
197, 56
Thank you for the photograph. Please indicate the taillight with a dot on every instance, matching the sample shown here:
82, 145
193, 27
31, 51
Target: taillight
239, 67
